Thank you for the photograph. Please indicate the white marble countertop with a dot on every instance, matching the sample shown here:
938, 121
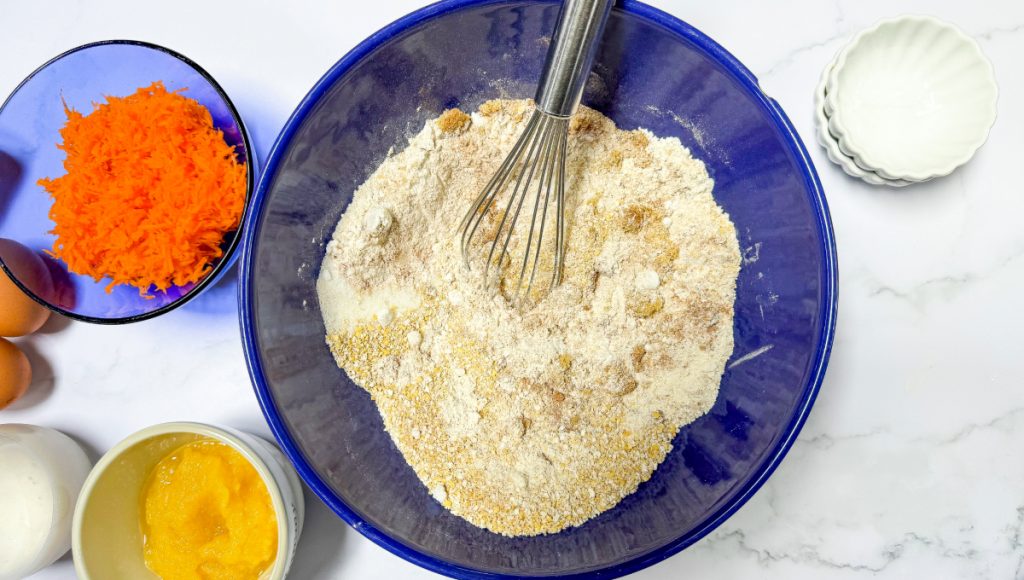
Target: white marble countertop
911, 465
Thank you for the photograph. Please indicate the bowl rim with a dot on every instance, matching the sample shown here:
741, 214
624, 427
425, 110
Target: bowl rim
865, 157
831, 146
771, 460
285, 535
230, 255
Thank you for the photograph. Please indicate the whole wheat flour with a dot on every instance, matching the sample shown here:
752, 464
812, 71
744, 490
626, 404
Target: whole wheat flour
527, 421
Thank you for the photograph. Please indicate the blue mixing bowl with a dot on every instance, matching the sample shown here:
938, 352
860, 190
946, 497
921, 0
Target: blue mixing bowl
653, 71
30, 123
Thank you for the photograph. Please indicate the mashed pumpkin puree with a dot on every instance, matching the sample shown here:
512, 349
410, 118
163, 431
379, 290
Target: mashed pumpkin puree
207, 514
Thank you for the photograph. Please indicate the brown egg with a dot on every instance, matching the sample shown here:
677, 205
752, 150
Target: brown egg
19, 314
15, 373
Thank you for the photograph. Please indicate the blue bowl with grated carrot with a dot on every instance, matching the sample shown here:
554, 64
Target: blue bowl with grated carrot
126, 167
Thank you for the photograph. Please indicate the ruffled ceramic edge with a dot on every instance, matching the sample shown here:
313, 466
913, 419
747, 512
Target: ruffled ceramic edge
864, 159
831, 147
850, 162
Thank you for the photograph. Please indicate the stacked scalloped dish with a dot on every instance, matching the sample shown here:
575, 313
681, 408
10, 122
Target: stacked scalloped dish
906, 101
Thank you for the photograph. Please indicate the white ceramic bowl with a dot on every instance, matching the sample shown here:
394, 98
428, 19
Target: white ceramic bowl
107, 539
911, 98
831, 146
52, 467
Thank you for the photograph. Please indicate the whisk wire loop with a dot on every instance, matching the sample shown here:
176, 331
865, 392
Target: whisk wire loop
529, 167
483, 202
544, 184
536, 165
556, 275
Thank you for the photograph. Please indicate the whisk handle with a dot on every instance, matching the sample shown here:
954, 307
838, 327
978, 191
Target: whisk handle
571, 56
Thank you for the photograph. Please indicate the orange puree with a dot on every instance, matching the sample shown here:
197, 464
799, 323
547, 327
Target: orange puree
206, 514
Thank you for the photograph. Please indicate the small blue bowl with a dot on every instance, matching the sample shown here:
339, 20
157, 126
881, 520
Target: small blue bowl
30, 123
653, 71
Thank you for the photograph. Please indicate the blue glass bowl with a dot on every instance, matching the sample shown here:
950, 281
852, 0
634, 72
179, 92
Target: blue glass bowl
30, 123
655, 72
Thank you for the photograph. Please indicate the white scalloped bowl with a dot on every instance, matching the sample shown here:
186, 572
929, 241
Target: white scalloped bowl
831, 146
912, 98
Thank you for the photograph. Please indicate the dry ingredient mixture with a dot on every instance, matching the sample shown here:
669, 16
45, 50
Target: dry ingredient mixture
528, 421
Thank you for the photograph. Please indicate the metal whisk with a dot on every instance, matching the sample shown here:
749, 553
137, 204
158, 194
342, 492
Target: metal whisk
537, 161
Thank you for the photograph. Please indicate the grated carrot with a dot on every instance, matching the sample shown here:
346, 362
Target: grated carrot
150, 191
